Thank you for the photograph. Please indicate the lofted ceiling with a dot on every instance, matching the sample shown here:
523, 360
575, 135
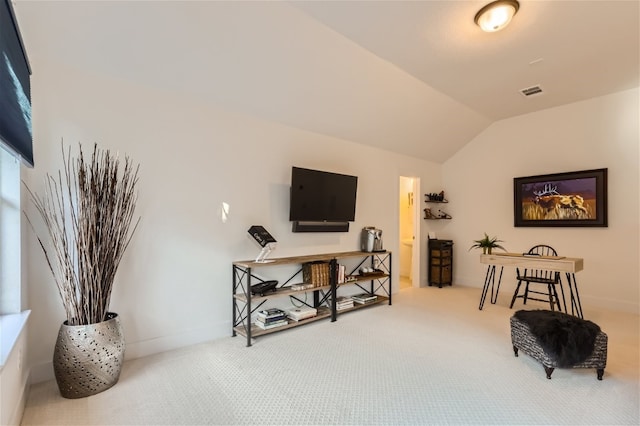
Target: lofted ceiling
416, 77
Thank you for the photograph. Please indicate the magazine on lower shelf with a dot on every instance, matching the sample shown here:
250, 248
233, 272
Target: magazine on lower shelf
364, 298
343, 302
271, 325
271, 315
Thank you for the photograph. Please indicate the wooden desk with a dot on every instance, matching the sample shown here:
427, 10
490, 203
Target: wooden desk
568, 265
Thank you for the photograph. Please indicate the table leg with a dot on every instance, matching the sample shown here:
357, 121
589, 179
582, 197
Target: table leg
564, 301
494, 296
576, 306
489, 279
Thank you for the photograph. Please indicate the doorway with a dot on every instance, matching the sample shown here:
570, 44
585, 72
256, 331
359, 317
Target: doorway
408, 205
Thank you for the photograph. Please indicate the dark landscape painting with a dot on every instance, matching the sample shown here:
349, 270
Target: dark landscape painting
563, 199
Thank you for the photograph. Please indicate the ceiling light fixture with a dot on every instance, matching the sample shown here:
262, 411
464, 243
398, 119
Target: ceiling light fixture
496, 15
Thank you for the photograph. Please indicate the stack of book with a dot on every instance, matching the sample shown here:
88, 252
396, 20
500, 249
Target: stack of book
316, 273
343, 302
271, 318
302, 286
301, 313
364, 298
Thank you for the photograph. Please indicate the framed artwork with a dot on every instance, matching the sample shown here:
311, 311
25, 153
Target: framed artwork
561, 199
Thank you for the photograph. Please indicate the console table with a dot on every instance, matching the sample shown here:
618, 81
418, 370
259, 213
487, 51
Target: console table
568, 265
325, 296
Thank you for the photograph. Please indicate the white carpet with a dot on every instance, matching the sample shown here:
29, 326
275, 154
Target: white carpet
431, 358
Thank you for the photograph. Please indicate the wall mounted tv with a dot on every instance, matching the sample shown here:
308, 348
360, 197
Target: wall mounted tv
322, 201
15, 88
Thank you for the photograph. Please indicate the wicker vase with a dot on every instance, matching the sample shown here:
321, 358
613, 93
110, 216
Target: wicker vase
88, 358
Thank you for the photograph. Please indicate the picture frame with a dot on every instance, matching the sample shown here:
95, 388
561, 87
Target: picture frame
561, 199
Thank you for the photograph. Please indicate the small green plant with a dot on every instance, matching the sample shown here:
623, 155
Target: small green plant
487, 244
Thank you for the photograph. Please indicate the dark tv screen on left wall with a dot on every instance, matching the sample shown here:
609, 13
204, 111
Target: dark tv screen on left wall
15, 88
319, 196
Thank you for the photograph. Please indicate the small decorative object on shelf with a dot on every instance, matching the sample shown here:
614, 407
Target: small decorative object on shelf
369, 271
303, 312
440, 215
436, 198
443, 215
487, 244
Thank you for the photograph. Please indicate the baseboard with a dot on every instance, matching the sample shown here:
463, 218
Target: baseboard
138, 349
41, 372
609, 304
166, 343
585, 300
16, 417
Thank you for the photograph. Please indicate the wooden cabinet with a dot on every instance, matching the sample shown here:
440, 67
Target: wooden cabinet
246, 273
440, 262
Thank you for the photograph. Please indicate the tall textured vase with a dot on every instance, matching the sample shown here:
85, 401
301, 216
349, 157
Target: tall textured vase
88, 358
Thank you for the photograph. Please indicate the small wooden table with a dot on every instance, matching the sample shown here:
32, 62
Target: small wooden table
568, 265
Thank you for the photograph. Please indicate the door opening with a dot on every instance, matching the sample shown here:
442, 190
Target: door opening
408, 205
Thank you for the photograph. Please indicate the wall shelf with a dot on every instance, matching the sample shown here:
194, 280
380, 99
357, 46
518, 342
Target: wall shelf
428, 214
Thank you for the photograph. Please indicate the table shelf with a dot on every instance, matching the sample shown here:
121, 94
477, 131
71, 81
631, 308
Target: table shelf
324, 297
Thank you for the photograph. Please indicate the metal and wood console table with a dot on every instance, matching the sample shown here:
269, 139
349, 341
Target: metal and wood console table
568, 265
245, 304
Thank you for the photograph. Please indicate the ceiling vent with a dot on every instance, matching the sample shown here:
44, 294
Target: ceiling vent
532, 91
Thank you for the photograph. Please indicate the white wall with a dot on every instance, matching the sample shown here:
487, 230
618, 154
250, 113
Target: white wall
597, 133
174, 285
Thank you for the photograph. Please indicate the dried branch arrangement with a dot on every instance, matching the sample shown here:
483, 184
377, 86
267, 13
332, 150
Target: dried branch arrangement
88, 211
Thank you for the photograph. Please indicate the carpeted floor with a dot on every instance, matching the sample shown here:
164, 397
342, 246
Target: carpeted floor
431, 358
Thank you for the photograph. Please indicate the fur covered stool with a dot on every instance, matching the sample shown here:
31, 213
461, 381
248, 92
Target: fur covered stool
556, 339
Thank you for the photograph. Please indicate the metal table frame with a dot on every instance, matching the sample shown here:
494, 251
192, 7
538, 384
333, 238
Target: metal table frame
568, 265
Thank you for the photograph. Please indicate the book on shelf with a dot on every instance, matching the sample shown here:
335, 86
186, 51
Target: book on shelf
275, 324
343, 302
271, 315
364, 298
271, 312
342, 273
316, 273
264, 320
301, 313
302, 286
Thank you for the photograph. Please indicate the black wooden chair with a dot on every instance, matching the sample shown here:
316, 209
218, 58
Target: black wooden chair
549, 279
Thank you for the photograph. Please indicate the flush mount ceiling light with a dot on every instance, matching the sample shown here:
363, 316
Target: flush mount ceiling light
496, 15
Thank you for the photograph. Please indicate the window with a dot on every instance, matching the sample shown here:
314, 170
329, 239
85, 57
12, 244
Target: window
10, 247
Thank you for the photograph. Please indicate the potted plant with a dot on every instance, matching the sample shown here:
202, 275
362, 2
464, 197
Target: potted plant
487, 244
88, 210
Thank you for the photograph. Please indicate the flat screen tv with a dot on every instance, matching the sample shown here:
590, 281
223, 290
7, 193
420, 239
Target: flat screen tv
322, 201
15, 88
